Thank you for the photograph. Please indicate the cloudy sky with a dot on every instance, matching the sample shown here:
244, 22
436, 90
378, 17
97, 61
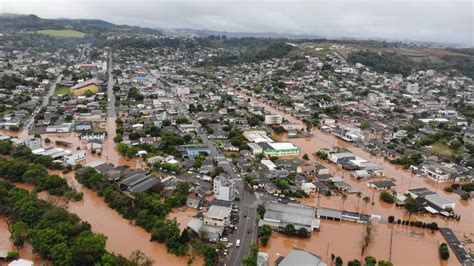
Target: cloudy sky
448, 21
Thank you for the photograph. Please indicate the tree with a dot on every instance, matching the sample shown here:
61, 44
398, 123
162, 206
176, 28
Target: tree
353, 263
88, 248
305, 156
265, 233
411, 205
365, 124
339, 261
366, 201
13, 255
391, 219
303, 232
260, 209
367, 238
359, 196
385, 263
387, 197
140, 259
19, 233
370, 261
344, 198
289, 230
322, 155
444, 251
166, 123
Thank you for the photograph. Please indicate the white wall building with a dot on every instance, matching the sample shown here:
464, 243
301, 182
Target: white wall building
224, 188
74, 157
273, 119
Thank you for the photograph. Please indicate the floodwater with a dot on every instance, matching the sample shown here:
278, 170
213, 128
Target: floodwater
403, 179
409, 246
122, 236
26, 252
182, 215
108, 154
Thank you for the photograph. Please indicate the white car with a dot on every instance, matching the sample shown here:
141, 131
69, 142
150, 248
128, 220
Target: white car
229, 245
224, 239
237, 243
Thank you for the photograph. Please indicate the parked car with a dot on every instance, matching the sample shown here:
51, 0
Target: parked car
237, 243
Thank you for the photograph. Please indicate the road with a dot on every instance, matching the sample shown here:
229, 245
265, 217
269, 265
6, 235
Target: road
45, 102
111, 112
247, 204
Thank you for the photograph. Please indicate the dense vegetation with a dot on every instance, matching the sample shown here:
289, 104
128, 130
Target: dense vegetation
29, 168
383, 62
55, 234
146, 210
272, 49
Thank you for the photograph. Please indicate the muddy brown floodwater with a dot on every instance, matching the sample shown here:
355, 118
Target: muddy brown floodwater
26, 252
425, 249
409, 246
122, 236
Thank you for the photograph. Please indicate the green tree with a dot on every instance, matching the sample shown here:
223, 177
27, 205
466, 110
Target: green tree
19, 233
265, 233
354, 263
88, 248
370, 261
385, 263
387, 197
444, 251
289, 229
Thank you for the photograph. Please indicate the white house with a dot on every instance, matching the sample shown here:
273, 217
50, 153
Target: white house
74, 157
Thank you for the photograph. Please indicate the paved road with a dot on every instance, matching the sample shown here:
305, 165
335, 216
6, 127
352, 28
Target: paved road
248, 204
45, 102
111, 112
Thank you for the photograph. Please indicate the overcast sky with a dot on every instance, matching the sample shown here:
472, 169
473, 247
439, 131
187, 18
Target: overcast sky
448, 21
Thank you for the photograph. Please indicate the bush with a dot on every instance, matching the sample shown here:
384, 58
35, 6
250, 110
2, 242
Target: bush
444, 251
13, 255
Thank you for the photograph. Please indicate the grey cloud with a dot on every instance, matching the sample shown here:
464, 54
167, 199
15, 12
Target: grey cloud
426, 20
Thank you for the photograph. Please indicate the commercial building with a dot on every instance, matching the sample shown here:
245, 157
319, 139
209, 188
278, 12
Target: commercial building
224, 188
91, 85
191, 151
217, 216
437, 173
257, 136
273, 119
300, 257
278, 215
432, 199
279, 149
75, 157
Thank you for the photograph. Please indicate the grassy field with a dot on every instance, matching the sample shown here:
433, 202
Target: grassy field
311, 49
62, 33
441, 149
62, 90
